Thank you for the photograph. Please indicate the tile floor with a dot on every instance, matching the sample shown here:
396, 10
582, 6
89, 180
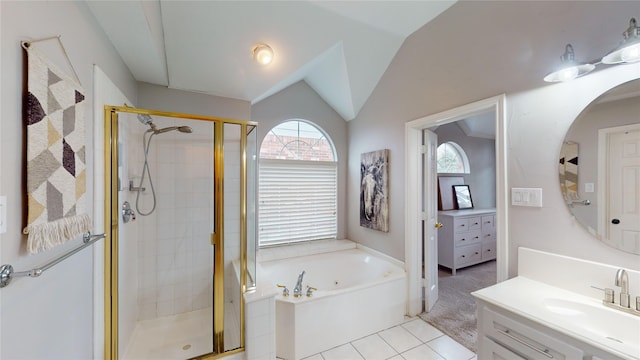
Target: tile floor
415, 339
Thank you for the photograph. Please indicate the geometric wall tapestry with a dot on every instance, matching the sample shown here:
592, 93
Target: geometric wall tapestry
374, 190
56, 167
568, 170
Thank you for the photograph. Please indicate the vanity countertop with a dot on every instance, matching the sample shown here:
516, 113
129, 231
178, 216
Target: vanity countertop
581, 317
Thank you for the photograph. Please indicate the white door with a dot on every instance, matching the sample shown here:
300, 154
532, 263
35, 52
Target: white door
431, 225
624, 188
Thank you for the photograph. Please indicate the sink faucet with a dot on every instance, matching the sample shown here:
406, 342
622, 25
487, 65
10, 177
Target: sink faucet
297, 291
622, 280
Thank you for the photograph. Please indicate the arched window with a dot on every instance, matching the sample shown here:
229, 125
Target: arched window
297, 185
452, 159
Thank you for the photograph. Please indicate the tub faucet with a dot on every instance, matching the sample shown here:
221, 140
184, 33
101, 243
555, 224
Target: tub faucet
622, 280
297, 291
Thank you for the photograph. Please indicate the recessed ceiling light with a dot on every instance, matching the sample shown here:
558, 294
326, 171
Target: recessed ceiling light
263, 54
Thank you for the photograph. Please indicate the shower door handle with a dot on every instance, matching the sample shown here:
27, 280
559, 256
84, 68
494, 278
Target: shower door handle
214, 239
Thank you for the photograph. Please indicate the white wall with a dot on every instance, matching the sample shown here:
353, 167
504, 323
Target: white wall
50, 317
299, 101
161, 98
473, 51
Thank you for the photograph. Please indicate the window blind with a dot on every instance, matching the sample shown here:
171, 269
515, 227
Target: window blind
298, 201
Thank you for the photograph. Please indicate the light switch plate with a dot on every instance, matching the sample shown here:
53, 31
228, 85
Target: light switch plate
526, 197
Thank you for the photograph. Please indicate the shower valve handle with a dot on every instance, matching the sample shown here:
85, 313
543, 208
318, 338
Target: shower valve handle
127, 213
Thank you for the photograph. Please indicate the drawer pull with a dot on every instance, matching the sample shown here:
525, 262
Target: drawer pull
544, 352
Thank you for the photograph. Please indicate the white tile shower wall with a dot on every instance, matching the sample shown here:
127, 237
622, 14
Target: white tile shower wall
176, 257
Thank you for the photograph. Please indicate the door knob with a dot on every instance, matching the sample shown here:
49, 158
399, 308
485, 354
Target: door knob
438, 225
615, 221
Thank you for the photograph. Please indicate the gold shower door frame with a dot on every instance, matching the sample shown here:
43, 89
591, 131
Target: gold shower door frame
112, 218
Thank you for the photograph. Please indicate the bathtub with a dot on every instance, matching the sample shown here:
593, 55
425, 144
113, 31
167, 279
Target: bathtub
359, 293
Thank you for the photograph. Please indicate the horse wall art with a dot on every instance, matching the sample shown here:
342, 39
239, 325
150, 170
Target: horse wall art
374, 190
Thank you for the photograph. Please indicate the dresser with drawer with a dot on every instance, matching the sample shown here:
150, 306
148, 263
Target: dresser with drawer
467, 237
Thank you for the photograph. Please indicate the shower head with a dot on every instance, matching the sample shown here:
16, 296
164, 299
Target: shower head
183, 129
145, 119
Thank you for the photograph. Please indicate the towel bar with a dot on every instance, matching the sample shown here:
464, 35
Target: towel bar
7, 273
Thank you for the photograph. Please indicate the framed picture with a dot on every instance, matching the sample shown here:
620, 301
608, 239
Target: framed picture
463, 196
374, 189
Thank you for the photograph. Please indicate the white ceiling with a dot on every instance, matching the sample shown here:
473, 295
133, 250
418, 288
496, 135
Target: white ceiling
340, 48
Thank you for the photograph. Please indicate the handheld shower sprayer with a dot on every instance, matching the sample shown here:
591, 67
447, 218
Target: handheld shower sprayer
182, 129
146, 119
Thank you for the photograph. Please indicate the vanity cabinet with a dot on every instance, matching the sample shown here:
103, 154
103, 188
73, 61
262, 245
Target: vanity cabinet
503, 334
467, 237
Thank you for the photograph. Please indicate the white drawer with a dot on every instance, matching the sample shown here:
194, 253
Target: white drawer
524, 340
468, 254
488, 223
460, 225
475, 223
493, 351
488, 250
462, 239
488, 235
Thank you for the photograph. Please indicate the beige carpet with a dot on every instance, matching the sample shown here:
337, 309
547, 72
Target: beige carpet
455, 311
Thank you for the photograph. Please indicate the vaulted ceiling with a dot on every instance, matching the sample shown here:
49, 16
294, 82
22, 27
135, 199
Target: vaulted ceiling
339, 48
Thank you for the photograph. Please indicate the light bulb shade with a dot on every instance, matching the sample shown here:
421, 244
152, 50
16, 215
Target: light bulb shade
570, 69
263, 54
569, 72
629, 50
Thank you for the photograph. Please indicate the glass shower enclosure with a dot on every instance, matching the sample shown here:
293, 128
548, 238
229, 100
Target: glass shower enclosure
180, 249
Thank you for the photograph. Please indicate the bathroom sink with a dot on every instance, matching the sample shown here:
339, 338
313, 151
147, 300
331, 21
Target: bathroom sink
611, 326
575, 315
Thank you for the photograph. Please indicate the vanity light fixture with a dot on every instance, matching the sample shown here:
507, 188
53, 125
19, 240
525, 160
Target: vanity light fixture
262, 53
569, 69
626, 53
629, 49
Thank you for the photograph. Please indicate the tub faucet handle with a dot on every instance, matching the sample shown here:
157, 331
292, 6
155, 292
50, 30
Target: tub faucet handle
310, 290
285, 291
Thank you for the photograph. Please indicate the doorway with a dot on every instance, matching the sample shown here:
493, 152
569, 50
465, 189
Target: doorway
465, 231
414, 207
176, 258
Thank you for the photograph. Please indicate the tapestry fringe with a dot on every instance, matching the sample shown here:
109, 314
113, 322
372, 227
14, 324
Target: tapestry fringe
45, 236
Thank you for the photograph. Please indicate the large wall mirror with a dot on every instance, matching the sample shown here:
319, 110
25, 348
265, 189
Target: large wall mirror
599, 167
